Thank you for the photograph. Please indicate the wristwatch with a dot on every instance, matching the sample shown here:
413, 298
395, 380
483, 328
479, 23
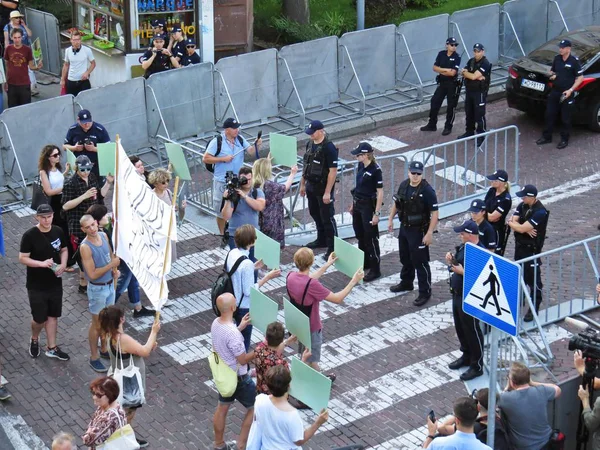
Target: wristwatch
377, 213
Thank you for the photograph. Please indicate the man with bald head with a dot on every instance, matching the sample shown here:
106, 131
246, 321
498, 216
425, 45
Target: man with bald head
228, 342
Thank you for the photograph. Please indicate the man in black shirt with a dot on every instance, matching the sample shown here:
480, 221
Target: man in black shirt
446, 66
566, 74
158, 58
44, 251
190, 56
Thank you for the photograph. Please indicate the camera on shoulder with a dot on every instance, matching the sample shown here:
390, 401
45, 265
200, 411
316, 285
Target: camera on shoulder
233, 182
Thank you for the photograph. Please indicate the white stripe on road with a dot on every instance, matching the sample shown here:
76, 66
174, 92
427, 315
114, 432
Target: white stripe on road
20, 435
570, 189
459, 175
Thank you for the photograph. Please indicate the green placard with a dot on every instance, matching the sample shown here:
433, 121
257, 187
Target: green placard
106, 158
268, 250
349, 257
297, 322
284, 149
71, 159
177, 159
309, 386
263, 310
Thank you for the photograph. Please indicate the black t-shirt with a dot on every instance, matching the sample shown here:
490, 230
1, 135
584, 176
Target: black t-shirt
5, 12
368, 180
42, 246
186, 59
160, 63
566, 72
178, 49
444, 61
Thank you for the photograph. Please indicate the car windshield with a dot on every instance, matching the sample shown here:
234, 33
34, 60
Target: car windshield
586, 44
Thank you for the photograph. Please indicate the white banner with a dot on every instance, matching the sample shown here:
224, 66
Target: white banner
142, 229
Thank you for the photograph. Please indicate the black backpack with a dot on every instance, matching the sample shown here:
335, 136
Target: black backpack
219, 138
501, 440
224, 284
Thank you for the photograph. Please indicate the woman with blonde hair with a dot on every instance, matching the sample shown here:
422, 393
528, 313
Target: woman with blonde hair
498, 204
271, 218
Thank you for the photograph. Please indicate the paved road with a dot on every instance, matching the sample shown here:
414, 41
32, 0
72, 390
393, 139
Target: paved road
390, 357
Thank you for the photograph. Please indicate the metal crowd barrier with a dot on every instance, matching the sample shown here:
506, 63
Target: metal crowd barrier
45, 26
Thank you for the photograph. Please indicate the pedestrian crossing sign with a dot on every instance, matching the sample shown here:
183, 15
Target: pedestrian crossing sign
491, 288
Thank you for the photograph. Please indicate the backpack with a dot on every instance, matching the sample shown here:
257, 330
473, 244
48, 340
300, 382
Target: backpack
219, 138
501, 441
224, 283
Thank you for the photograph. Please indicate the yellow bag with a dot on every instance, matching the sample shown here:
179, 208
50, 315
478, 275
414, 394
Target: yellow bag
225, 377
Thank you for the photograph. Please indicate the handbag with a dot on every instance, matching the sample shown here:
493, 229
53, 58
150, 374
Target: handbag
131, 392
225, 377
122, 439
38, 196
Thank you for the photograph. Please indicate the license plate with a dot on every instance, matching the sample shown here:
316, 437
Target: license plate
533, 85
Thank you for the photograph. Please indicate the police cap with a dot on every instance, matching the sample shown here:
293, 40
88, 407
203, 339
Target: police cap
415, 167
499, 175
469, 226
84, 116
158, 23
452, 41
529, 190
564, 43
478, 46
315, 125
477, 205
363, 148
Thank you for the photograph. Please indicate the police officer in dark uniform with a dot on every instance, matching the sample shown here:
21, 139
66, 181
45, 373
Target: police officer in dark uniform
417, 208
158, 58
529, 224
487, 234
190, 56
366, 208
498, 204
318, 180
477, 76
446, 65
467, 327
566, 75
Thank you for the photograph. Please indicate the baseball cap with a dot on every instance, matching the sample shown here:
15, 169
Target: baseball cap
477, 205
44, 210
84, 116
159, 36
230, 122
190, 41
416, 167
499, 175
562, 44
313, 126
83, 162
175, 29
363, 148
478, 46
14, 14
469, 226
452, 40
158, 23
529, 190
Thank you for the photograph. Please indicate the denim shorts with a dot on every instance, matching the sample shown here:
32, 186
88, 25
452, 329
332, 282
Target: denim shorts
99, 297
245, 392
316, 341
218, 190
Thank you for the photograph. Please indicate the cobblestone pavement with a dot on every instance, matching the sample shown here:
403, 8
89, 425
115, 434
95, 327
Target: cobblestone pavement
390, 357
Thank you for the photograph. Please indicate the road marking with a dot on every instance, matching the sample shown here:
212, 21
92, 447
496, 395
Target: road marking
459, 175
570, 189
385, 144
409, 155
20, 435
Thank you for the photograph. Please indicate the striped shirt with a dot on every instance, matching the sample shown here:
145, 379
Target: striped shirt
228, 342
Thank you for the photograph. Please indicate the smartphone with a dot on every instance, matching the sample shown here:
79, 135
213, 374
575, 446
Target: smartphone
431, 416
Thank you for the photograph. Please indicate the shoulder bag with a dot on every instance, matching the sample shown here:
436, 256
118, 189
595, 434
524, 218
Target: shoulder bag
225, 377
122, 439
131, 392
38, 196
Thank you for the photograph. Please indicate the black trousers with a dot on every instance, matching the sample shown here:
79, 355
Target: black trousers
500, 229
18, 95
553, 108
414, 256
75, 87
475, 102
366, 233
445, 90
469, 334
323, 215
532, 273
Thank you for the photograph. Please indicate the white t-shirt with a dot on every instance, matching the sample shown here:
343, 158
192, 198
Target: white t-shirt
273, 429
78, 62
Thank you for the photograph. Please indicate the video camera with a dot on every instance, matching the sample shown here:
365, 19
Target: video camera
588, 342
232, 183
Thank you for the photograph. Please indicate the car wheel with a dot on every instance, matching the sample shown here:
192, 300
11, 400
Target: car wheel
594, 116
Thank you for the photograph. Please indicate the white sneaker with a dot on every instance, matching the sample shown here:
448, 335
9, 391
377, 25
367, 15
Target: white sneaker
168, 303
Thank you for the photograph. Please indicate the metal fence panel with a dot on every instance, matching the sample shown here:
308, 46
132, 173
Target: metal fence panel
528, 17
34, 125
423, 48
45, 26
121, 109
576, 14
481, 24
248, 81
370, 51
185, 99
315, 73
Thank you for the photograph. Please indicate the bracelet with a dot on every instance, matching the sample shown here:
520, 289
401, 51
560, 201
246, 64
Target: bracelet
431, 437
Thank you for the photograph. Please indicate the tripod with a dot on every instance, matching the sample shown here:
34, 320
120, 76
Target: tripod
583, 434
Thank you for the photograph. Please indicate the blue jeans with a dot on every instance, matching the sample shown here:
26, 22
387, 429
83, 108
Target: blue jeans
246, 332
128, 281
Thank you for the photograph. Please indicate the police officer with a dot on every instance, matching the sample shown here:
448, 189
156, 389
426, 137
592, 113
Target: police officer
498, 204
158, 58
190, 56
446, 65
467, 327
529, 224
566, 75
487, 234
318, 180
366, 208
417, 208
477, 75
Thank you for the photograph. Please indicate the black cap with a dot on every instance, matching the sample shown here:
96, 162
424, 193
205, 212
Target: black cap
158, 23
478, 46
84, 116
83, 162
477, 205
161, 36
499, 175
363, 148
190, 41
564, 43
230, 122
469, 226
176, 28
44, 210
529, 190
416, 167
452, 40
313, 126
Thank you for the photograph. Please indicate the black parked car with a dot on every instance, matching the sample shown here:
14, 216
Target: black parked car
528, 86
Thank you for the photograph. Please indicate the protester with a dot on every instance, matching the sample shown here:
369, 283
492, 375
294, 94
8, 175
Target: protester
158, 58
79, 65
6, 7
160, 179
18, 59
190, 57
108, 417
17, 21
44, 251
139, 167
306, 292
63, 441
100, 269
271, 218
4, 394
112, 321
276, 423
228, 343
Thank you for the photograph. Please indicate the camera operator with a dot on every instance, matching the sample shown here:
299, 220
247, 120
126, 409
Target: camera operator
524, 403
591, 418
158, 58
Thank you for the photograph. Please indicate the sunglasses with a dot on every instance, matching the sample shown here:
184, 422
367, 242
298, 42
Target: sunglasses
55, 155
190, 46
85, 169
416, 173
477, 51
97, 395
452, 45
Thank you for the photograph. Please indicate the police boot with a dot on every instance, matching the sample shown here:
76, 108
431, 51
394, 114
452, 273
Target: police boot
373, 274
429, 127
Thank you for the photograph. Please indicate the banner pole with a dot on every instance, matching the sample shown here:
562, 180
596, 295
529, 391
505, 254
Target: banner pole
116, 203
